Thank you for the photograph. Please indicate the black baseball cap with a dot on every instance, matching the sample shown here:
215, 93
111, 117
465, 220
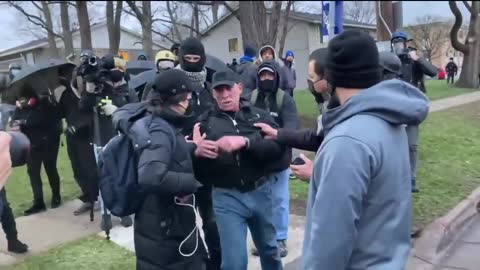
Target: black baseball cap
224, 77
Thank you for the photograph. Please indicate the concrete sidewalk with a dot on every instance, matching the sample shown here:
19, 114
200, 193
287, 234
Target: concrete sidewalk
55, 227
465, 252
49, 229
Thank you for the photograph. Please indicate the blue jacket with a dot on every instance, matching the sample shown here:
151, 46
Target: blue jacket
359, 201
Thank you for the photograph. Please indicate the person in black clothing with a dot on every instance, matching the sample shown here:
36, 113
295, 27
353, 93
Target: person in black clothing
451, 69
115, 93
239, 163
267, 97
39, 120
79, 149
10, 227
192, 61
165, 231
414, 69
175, 50
307, 139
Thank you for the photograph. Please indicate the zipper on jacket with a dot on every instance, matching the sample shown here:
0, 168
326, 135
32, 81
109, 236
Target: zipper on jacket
237, 156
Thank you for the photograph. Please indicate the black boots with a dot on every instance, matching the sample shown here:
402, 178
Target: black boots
56, 200
37, 207
15, 246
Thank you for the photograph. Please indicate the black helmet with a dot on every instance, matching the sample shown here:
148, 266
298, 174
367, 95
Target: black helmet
390, 62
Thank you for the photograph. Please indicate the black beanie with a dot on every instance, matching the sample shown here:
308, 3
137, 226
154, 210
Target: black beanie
170, 83
192, 46
353, 61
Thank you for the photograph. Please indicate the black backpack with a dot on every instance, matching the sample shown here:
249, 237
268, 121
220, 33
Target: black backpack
118, 165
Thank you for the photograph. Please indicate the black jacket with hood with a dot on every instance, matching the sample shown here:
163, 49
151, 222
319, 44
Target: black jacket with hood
252, 81
243, 168
286, 116
164, 171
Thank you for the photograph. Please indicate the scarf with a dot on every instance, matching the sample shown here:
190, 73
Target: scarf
197, 77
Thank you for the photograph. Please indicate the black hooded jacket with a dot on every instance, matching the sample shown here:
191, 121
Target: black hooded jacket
164, 171
243, 168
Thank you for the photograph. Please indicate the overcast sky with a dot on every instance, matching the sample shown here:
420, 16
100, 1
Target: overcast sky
411, 10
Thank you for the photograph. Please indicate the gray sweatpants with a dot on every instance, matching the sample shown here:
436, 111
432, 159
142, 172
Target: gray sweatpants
412, 134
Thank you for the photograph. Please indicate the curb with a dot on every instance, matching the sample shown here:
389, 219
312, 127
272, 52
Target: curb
430, 248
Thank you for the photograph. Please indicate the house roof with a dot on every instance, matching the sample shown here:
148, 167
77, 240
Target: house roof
44, 41
303, 16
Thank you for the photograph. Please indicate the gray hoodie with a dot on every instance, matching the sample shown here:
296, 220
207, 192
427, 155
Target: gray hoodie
359, 201
252, 81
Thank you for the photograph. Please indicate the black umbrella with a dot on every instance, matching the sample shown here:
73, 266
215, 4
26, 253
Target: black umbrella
42, 77
141, 79
135, 67
212, 64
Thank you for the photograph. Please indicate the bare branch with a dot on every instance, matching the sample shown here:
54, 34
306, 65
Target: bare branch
136, 10
70, 3
37, 6
457, 45
163, 35
175, 26
468, 6
229, 8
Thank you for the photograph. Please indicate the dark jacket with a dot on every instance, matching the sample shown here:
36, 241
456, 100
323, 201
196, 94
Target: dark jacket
246, 71
202, 101
39, 123
414, 71
120, 96
285, 117
247, 166
451, 68
288, 77
164, 171
308, 140
70, 110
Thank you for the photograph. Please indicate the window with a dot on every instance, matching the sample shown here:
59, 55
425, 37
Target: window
233, 45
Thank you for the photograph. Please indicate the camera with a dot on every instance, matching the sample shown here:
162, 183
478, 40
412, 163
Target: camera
20, 144
97, 71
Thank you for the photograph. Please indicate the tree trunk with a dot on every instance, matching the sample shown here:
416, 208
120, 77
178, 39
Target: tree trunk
67, 34
470, 73
118, 18
147, 29
111, 27
49, 25
197, 19
386, 8
284, 32
253, 22
84, 25
215, 7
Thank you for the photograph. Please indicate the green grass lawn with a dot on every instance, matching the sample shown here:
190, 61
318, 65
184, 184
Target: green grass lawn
92, 253
19, 191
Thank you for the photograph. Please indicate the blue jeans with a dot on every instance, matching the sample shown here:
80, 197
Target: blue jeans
235, 212
281, 203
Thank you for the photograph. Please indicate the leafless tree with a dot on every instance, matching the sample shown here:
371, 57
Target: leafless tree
84, 25
469, 76
360, 11
67, 34
43, 20
429, 34
144, 17
113, 24
285, 23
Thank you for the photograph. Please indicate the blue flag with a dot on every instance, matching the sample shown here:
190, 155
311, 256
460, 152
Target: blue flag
338, 17
325, 23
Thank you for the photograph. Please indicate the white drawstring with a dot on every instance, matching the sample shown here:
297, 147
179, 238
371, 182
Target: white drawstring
196, 229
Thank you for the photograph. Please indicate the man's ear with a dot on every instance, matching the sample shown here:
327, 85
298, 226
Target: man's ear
240, 86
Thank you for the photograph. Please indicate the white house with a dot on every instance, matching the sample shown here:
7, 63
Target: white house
224, 39
37, 50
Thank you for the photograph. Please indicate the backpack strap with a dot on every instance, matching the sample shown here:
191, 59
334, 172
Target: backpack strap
279, 98
254, 97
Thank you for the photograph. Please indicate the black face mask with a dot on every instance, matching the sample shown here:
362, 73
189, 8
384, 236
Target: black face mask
266, 85
192, 67
116, 75
318, 96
